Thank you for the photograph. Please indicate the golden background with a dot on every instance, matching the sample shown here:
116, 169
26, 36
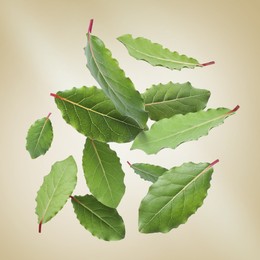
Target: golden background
42, 51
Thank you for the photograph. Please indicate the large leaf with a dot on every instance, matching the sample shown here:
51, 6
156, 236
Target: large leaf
171, 132
90, 112
103, 173
113, 81
165, 101
56, 189
39, 137
155, 54
102, 221
176, 195
148, 172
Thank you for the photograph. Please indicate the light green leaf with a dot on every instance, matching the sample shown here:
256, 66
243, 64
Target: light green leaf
148, 172
155, 54
91, 113
174, 197
39, 137
103, 173
165, 101
171, 132
102, 221
113, 81
56, 189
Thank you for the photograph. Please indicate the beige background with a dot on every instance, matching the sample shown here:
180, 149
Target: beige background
42, 51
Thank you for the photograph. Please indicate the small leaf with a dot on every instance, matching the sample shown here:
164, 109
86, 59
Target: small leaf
39, 137
155, 54
176, 195
56, 189
113, 81
171, 132
102, 221
103, 173
91, 113
165, 101
148, 172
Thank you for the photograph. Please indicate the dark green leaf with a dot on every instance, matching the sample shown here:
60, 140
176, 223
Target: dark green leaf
171, 132
176, 195
113, 81
39, 137
90, 112
103, 173
56, 189
165, 101
154, 53
102, 221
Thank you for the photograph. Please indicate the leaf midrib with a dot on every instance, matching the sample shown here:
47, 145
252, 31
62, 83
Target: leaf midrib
176, 195
163, 59
173, 100
103, 170
39, 137
186, 130
95, 214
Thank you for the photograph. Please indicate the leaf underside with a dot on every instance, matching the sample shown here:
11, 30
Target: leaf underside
165, 101
56, 189
113, 81
143, 49
91, 113
148, 172
39, 137
172, 199
102, 221
171, 132
103, 173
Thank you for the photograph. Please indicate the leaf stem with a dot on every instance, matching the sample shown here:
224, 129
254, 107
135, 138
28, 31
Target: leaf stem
234, 109
129, 163
56, 96
90, 26
213, 163
40, 227
48, 116
207, 63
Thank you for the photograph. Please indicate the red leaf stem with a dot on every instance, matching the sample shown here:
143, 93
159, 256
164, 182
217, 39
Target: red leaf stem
56, 96
129, 163
40, 227
90, 26
213, 163
207, 63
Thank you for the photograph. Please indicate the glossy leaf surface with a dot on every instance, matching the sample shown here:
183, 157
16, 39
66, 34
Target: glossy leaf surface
102, 221
171, 132
39, 137
56, 189
103, 173
155, 54
91, 113
174, 197
120, 89
165, 101
148, 172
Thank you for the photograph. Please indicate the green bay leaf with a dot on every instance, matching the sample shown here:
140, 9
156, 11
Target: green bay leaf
167, 100
57, 187
39, 137
171, 132
102, 221
103, 173
143, 49
91, 113
148, 172
120, 89
174, 197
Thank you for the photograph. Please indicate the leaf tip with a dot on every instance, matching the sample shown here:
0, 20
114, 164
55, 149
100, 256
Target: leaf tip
90, 25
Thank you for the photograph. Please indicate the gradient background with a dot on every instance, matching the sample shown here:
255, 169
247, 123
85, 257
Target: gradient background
42, 51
